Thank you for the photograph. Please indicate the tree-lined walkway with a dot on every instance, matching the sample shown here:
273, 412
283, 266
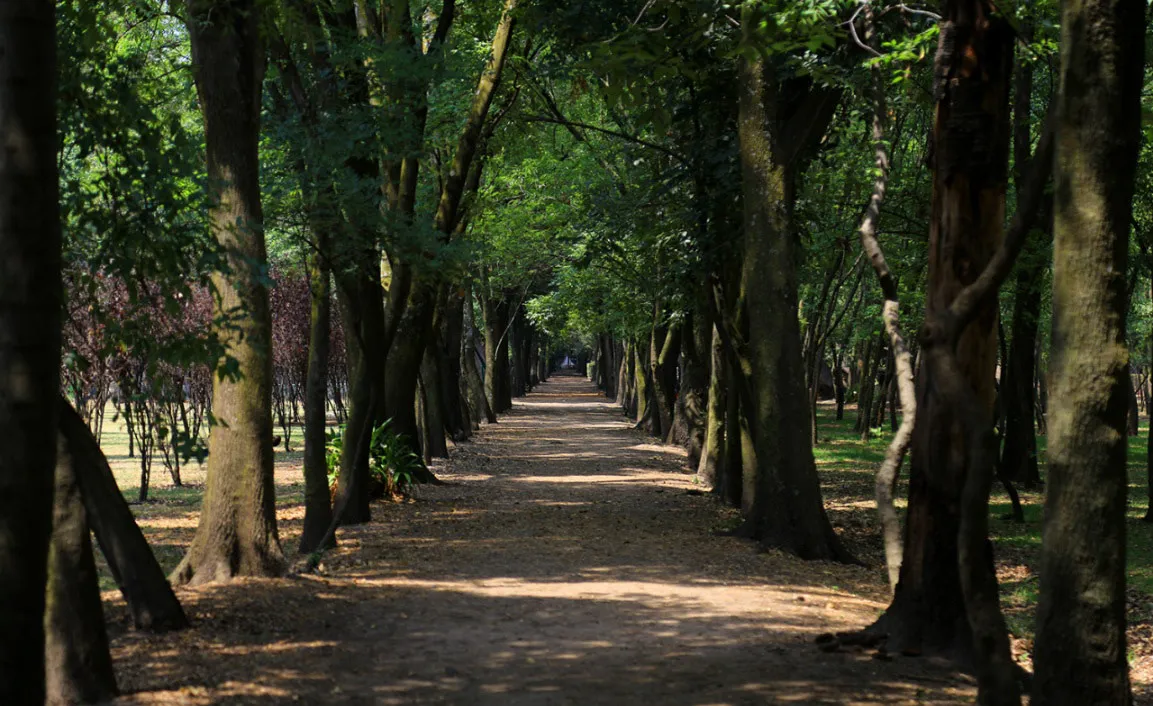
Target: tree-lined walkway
569, 560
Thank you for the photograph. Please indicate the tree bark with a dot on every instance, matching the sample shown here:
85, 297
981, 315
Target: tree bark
78, 663
475, 385
714, 432
497, 382
786, 508
970, 163
434, 425
237, 534
149, 596
451, 331
317, 496
1080, 653
30, 303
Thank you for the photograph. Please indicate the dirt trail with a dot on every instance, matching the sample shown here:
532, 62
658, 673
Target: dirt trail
570, 561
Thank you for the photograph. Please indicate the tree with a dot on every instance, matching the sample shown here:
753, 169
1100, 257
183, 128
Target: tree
1080, 648
970, 171
1019, 455
781, 116
30, 306
237, 533
79, 665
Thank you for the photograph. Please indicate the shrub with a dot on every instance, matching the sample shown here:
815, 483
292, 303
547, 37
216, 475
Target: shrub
393, 467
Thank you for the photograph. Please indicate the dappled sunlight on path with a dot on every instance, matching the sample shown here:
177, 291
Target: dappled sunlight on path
570, 560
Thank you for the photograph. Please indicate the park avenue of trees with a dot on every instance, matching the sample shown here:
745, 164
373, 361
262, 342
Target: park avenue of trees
775, 233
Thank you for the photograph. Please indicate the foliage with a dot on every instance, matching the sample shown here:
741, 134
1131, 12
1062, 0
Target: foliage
394, 469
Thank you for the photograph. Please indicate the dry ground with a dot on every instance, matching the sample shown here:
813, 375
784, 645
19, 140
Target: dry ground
570, 560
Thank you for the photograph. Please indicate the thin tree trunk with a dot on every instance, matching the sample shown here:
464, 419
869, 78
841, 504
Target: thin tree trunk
317, 496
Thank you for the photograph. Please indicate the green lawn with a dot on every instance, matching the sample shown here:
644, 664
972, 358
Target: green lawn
169, 517
848, 465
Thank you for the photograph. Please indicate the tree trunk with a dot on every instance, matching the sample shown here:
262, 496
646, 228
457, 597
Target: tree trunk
430, 379
452, 384
1080, 653
317, 496
30, 298
712, 453
691, 413
362, 313
839, 385
641, 377
516, 345
868, 386
413, 335
474, 384
970, 164
1134, 421
149, 596
78, 663
664, 349
497, 382
1018, 462
237, 533
787, 509
731, 483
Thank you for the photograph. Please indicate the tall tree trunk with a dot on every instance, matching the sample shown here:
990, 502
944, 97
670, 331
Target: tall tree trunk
970, 164
237, 533
1080, 653
79, 665
317, 497
30, 298
787, 509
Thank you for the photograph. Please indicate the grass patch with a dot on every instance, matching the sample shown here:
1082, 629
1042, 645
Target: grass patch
847, 466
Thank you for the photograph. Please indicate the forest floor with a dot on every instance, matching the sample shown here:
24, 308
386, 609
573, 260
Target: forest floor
569, 559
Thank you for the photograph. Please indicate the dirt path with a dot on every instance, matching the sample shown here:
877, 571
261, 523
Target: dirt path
570, 561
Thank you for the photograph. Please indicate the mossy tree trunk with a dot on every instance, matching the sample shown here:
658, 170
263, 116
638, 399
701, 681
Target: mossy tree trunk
712, 454
780, 117
1080, 652
30, 299
237, 534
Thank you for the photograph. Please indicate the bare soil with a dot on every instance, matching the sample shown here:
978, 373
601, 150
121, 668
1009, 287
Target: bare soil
569, 560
